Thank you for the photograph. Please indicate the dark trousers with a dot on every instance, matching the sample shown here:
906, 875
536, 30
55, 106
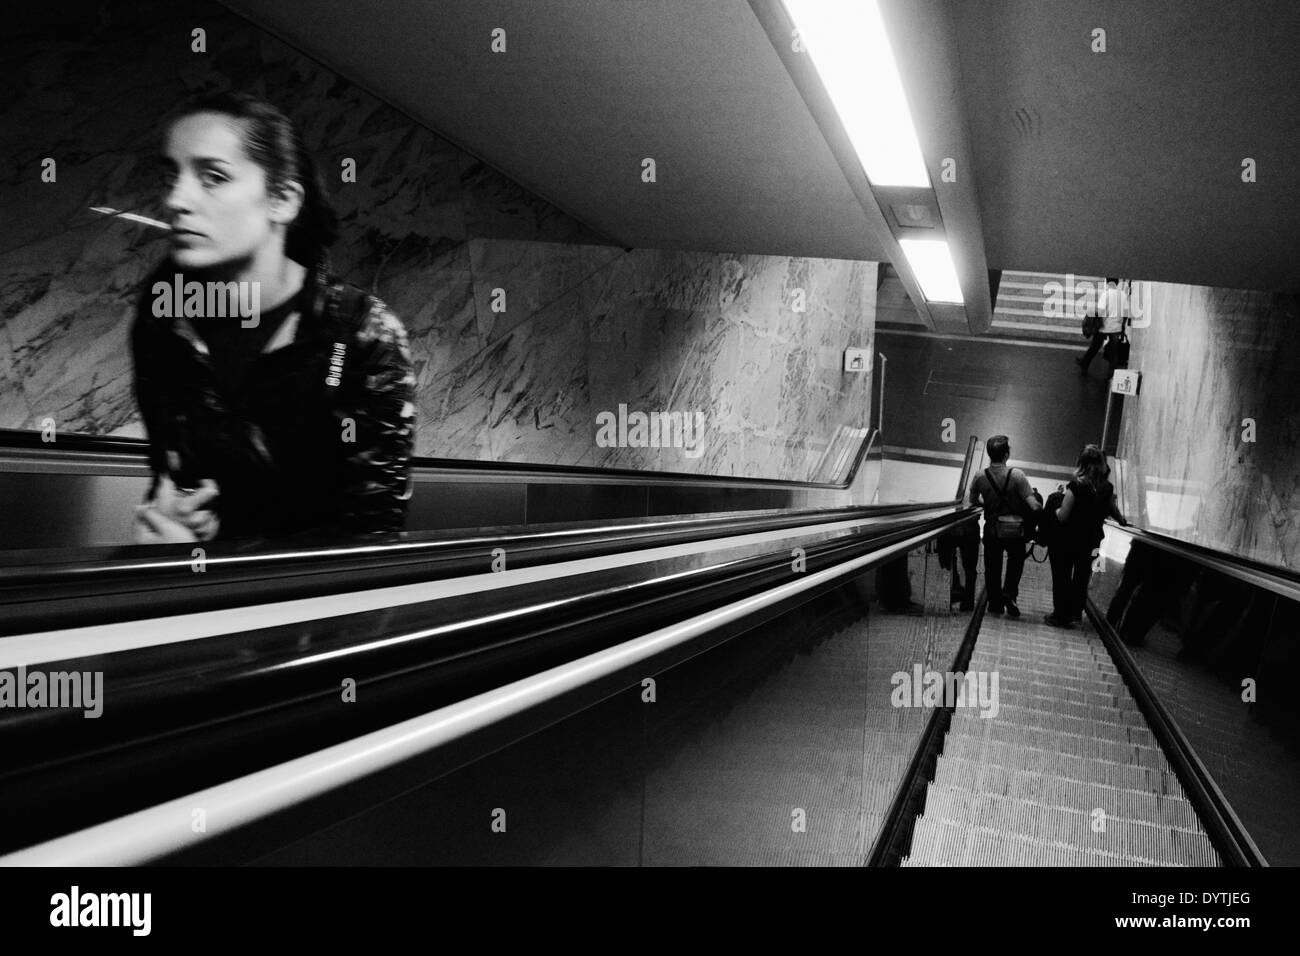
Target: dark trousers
893, 584
969, 550
1098, 338
1002, 591
1071, 571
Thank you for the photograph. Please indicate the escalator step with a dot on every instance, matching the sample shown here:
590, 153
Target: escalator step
1130, 752
1075, 827
1055, 763
1128, 803
946, 843
1061, 723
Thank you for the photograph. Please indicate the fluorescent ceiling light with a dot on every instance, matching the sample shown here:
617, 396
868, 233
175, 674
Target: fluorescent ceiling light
931, 263
850, 50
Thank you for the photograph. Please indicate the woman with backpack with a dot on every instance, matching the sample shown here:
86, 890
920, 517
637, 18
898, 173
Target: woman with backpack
1085, 503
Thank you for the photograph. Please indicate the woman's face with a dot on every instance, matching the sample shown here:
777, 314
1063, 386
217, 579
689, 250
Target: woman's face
216, 196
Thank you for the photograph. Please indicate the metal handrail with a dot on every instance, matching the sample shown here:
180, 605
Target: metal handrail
131, 454
426, 546
1279, 580
964, 480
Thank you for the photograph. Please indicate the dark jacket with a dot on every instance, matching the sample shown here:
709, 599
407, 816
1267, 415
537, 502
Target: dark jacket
319, 436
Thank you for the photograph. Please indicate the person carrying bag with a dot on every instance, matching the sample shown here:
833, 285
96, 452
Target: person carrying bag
1084, 505
1009, 508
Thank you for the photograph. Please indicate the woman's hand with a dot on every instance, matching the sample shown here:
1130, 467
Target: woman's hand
154, 527
174, 515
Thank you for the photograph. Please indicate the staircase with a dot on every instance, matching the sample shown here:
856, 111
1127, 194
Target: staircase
1022, 305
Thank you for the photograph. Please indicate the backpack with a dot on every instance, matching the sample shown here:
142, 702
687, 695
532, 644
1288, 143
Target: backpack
1011, 525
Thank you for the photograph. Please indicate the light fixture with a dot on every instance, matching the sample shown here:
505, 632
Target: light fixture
851, 53
931, 262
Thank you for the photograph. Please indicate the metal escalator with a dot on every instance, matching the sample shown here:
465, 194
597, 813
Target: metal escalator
719, 692
1068, 774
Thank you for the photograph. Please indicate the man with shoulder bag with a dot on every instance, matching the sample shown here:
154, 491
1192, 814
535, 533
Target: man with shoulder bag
1104, 325
1010, 507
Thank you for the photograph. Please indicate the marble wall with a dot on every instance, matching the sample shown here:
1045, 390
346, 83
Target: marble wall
586, 326
1211, 359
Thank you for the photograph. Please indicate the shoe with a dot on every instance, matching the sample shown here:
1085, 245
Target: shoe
1012, 610
1055, 621
995, 609
967, 604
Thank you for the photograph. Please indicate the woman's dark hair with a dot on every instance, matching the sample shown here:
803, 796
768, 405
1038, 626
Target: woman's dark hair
1092, 468
272, 141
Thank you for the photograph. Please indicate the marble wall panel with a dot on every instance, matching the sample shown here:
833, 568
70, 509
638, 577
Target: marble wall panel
1210, 359
677, 332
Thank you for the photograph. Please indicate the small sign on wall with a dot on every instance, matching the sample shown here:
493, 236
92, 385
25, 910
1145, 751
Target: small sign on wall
1126, 381
857, 360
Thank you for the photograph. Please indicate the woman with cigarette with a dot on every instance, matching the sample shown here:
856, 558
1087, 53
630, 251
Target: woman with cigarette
276, 399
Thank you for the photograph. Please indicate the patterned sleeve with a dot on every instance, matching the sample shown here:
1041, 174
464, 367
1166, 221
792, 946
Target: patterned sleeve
377, 468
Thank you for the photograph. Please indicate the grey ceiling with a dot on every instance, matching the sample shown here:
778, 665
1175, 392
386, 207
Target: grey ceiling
1122, 163
1129, 162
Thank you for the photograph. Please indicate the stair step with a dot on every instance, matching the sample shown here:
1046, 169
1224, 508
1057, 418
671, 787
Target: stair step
1045, 680
1131, 751
945, 843
1051, 761
1125, 803
1131, 732
1103, 704
1131, 838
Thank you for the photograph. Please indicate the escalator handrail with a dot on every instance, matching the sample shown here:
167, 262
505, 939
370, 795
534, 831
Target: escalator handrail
1279, 580
133, 452
24, 568
36, 645
963, 480
1222, 825
165, 828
